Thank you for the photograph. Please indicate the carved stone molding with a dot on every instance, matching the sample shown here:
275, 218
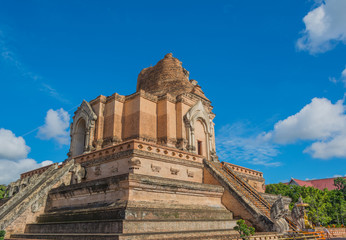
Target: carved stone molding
190, 174
165, 141
117, 97
181, 144
115, 168
134, 163
174, 171
108, 141
167, 97
35, 207
142, 94
155, 168
142, 137
97, 170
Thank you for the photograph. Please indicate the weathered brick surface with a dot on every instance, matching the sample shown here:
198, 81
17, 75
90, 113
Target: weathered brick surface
167, 75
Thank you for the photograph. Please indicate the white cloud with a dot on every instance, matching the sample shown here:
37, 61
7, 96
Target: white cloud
11, 170
343, 76
12, 147
13, 157
46, 163
320, 121
325, 26
336, 147
238, 142
56, 126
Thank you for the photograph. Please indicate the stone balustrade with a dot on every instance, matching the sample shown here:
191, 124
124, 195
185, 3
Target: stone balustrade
36, 171
245, 170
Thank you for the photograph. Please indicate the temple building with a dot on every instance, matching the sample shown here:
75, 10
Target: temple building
325, 183
142, 166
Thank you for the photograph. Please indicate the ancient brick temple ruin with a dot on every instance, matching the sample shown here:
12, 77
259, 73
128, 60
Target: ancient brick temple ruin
142, 166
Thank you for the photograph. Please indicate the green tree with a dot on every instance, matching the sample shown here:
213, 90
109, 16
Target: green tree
244, 230
340, 184
2, 234
325, 207
2, 191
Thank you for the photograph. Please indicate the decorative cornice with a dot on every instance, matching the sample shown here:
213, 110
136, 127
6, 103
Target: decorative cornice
142, 94
194, 97
101, 99
140, 149
117, 97
167, 97
142, 137
165, 140
103, 159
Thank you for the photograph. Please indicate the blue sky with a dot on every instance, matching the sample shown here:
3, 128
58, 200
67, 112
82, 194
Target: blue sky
273, 70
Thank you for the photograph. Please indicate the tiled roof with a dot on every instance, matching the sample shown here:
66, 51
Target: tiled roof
324, 183
302, 183
317, 183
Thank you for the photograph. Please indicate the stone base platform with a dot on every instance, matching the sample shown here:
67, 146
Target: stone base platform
133, 207
193, 235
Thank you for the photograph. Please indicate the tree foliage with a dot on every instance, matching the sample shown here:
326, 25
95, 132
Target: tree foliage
340, 184
325, 207
244, 230
2, 191
2, 234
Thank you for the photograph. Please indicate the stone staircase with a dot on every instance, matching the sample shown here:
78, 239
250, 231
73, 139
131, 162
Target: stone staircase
252, 194
249, 198
32, 195
247, 190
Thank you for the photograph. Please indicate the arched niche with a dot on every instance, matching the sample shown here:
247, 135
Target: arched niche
201, 138
200, 131
79, 137
82, 130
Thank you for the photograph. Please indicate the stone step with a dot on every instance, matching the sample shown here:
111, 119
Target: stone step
181, 235
111, 226
128, 226
135, 213
79, 215
25, 239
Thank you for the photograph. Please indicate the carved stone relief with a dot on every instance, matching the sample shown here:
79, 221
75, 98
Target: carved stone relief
35, 207
277, 214
82, 130
115, 168
174, 171
78, 173
190, 174
155, 168
134, 163
97, 170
